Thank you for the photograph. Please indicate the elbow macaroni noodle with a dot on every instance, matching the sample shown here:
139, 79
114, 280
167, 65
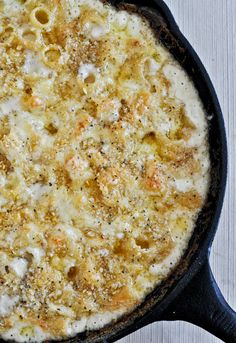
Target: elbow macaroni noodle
52, 55
41, 18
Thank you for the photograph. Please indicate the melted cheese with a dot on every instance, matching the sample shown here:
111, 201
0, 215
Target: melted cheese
33, 66
153, 66
96, 31
7, 304
9, 105
25, 333
186, 93
37, 253
19, 266
104, 166
86, 69
73, 9
11, 7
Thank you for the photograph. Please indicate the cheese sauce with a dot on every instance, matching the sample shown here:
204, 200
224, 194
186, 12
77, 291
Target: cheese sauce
104, 166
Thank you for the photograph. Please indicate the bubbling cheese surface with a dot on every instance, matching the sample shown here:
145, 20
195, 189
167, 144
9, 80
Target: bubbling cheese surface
104, 165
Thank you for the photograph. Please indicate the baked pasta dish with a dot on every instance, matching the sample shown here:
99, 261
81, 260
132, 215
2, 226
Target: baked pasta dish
104, 165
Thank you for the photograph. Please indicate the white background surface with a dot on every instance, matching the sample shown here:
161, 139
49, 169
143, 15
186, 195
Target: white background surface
210, 26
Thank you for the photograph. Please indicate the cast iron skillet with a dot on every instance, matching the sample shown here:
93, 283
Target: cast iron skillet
190, 293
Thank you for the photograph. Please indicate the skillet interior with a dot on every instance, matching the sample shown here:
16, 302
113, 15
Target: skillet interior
156, 302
